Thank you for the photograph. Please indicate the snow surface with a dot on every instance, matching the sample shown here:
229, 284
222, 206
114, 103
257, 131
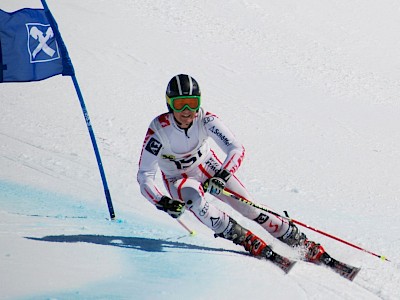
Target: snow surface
310, 87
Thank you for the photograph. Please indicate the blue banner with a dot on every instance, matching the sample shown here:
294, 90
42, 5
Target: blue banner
31, 47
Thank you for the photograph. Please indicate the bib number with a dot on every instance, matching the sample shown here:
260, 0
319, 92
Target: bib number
185, 163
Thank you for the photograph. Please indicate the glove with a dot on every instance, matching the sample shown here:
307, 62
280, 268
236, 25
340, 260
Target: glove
216, 184
174, 207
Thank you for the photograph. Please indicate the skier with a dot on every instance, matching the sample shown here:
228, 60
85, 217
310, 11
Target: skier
177, 143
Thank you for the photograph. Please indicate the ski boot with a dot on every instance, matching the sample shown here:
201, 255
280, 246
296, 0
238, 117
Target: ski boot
241, 236
312, 251
256, 246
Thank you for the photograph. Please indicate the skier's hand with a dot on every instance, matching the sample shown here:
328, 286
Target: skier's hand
174, 207
216, 184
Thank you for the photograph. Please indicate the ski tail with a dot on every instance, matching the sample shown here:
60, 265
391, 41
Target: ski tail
282, 262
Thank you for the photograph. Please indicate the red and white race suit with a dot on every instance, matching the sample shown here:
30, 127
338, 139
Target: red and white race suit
186, 161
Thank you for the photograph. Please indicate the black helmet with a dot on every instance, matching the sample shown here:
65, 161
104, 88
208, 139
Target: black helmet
182, 85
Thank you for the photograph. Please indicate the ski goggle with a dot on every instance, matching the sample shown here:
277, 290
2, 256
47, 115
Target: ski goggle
180, 103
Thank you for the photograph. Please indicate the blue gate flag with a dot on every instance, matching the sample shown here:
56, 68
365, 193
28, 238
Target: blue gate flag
31, 47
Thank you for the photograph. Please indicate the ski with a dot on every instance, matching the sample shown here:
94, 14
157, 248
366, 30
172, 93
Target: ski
345, 270
282, 262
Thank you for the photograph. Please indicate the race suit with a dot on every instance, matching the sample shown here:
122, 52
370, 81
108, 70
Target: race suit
186, 161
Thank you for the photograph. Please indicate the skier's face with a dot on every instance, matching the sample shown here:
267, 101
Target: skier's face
185, 117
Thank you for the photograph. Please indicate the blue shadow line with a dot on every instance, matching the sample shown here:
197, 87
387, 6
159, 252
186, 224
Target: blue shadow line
138, 243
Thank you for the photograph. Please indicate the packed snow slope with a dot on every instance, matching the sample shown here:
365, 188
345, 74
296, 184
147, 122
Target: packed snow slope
311, 88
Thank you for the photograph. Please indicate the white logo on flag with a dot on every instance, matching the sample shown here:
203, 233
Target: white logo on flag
42, 45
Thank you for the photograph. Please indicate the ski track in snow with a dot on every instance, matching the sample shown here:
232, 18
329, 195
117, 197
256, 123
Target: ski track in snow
310, 88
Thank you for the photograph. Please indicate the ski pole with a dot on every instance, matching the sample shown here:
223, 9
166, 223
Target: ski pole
225, 192
192, 232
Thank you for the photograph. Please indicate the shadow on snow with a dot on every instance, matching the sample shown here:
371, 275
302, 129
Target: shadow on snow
137, 243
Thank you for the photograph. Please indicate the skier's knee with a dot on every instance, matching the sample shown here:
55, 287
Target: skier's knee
191, 196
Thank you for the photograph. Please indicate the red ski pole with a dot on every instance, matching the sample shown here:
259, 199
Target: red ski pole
192, 232
225, 192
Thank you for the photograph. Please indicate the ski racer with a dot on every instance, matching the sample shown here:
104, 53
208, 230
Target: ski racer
177, 143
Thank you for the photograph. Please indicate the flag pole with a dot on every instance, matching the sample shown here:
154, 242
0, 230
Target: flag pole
96, 149
68, 70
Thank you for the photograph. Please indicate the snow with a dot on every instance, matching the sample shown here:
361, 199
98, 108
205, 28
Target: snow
311, 89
